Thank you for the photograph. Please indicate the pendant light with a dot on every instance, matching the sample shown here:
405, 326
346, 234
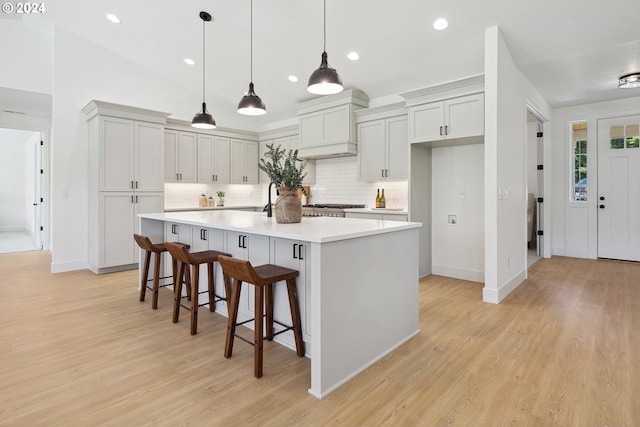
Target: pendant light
325, 80
251, 104
202, 119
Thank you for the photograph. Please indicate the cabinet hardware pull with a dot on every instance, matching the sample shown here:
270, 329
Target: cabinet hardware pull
173, 228
213, 177
386, 173
131, 199
440, 130
203, 234
446, 130
136, 184
177, 177
136, 199
216, 179
239, 241
382, 173
300, 252
244, 242
131, 184
294, 250
180, 176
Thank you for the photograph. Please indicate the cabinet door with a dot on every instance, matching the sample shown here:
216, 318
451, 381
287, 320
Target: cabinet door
221, 160
116, 228
426, 122
244, 162
336, 125
170, 153
174, 233
252, 163
292, 254
397, 148
465, 116
149, 157
205, 158
146, 203
116, 154
371, 150
311, 130
187, 156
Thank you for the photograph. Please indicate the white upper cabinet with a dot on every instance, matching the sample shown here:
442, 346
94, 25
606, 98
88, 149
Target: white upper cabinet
460, 117
213, 159
180, 156
129, 155
244, 162
383, 147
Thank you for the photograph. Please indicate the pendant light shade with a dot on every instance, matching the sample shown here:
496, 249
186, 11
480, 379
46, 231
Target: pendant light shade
202, 119
325, 80
629, 81
251, 104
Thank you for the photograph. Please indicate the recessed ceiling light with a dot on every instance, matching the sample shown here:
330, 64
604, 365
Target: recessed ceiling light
440, 24
629, 81
353, 56
189, 61
293, 79
113, 18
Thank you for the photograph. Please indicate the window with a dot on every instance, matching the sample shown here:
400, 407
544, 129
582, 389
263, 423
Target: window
579, 161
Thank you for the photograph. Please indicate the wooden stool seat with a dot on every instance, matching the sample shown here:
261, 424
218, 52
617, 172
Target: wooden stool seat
184, 259
262, 277
156, 248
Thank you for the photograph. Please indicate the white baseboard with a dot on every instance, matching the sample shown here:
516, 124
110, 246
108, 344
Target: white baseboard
496, 295
458, 273
61, 267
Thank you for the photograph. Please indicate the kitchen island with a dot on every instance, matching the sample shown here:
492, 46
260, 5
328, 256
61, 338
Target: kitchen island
358, 283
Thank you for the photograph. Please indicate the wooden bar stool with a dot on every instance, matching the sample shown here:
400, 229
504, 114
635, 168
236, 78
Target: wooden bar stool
184, 259
149, 248
263, 278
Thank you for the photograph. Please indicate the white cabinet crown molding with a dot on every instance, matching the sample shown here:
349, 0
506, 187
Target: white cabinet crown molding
381, 112
452, 89
282, 132
184, 125
352, 96
96, 107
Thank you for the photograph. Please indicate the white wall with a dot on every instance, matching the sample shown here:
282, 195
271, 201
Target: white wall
507, 93
27, 64
458, 188
575, 223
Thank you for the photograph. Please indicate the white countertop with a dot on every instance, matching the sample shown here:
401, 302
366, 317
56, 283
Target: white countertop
386, 211
311, 229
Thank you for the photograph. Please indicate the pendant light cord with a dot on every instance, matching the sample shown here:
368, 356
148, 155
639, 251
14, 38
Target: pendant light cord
324, 47
251, 43
203, 60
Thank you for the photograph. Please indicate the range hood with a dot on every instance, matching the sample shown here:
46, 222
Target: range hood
327, 125
340, 149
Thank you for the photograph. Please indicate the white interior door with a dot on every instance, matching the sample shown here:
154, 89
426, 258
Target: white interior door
619, 188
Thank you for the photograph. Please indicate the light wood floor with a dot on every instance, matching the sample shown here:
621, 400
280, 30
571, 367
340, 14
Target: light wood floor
78, 349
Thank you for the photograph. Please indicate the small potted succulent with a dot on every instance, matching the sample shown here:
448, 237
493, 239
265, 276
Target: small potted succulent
286, 171
220, 195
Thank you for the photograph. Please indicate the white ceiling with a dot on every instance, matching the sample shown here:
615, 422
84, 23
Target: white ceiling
573, 51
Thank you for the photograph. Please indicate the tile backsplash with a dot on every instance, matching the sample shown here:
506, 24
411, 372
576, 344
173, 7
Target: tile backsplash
336, 182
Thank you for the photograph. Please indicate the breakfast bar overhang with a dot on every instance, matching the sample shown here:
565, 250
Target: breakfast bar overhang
358, 290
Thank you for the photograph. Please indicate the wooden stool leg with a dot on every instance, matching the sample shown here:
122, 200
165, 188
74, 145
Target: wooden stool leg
212, 287
156, 280
145, 273
258, 337
295, 315
233, 305
268, 302
177, 291
187, 280
195, 276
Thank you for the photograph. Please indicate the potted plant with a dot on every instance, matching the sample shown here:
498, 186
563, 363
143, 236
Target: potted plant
286, 171
220, 198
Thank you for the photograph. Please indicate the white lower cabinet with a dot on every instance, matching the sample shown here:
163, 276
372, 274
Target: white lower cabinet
204, 239
255, 249
118, 212
292, 254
